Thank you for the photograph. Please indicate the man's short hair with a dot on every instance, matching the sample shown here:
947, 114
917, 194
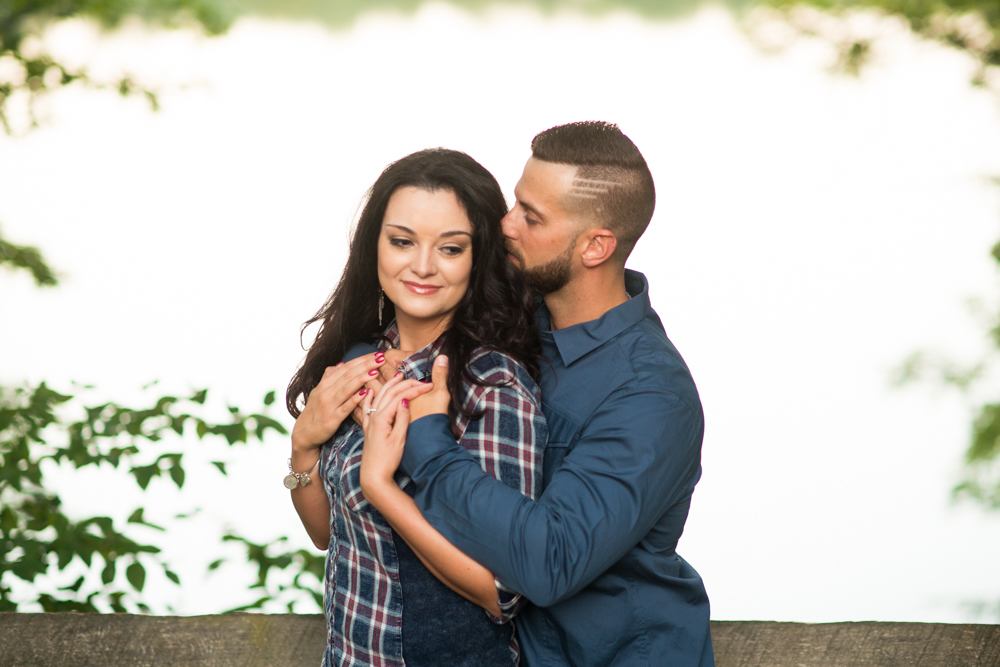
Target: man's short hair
612, 184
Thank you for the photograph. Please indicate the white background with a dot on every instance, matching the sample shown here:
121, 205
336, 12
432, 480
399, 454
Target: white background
812, 230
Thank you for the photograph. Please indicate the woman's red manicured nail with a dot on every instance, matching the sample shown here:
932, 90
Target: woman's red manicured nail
406, 403
362, 392
373, 372
398, 373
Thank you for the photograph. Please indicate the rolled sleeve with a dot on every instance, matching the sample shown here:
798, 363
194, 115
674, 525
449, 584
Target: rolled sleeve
639, 454
505, 444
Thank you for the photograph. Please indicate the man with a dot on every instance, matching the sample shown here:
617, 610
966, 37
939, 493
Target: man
596, 552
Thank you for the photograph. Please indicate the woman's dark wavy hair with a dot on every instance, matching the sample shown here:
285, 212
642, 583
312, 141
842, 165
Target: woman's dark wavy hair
496, 312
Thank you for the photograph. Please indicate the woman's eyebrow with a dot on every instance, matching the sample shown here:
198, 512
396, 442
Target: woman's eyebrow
456, 232
401, 227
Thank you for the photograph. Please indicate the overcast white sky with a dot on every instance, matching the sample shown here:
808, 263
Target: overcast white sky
811, 231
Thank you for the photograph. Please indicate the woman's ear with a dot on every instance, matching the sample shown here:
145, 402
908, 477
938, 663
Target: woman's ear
600, 246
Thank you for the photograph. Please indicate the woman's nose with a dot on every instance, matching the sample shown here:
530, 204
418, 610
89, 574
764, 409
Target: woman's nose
423, 262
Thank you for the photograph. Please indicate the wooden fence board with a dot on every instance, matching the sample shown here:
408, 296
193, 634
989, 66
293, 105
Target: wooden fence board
286, 640
768, 644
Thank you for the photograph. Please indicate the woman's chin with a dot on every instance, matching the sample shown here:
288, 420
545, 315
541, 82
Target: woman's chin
422, 316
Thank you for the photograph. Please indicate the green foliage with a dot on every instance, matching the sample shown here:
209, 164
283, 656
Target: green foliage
981, 482
982, 458
37, 538
970, 25
32, 73
29, 259
342, 13
273, 567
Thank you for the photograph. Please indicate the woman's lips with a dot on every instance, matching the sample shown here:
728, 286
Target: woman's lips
418, 288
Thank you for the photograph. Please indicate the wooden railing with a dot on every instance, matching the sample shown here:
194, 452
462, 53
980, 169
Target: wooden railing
286, 640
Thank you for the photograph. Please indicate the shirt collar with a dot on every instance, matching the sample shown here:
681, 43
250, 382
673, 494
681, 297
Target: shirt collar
576, 341
418, 365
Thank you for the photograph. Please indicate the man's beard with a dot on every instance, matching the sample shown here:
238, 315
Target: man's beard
551, 276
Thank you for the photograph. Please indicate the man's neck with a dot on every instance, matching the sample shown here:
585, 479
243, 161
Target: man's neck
587, 297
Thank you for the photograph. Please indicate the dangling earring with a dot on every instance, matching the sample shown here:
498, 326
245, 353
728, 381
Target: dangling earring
381, 304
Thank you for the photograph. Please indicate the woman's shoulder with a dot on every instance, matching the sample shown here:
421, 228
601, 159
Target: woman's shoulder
495, 368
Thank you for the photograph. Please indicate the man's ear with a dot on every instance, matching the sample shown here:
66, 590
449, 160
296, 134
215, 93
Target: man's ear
600, 245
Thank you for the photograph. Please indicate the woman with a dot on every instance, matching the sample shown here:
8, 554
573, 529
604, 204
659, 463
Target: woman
427, 275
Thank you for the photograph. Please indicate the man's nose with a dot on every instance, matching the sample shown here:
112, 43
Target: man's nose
508, 224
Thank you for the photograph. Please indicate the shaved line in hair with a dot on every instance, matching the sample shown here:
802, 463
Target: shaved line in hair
590, 188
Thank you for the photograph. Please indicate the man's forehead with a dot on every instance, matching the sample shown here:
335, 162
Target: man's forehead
557, 188
545, 183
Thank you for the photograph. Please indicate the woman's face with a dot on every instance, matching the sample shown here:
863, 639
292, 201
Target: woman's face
425, 256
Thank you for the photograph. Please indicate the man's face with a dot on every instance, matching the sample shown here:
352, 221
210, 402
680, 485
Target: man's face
540, 234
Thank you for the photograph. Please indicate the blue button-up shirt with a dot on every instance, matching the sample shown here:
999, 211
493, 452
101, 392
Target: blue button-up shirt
596, 552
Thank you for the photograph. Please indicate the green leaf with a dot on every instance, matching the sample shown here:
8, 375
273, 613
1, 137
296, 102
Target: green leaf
264, 423
136, 517
172, 576
269, 398
253, 605
75, 587
214, 565
985, 444
199, 397
108, 574
220, 465
177, 473
233, 433
116, 602
30, 259
136, 575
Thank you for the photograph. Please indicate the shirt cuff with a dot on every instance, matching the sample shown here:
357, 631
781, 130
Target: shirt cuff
358, 350
510, 602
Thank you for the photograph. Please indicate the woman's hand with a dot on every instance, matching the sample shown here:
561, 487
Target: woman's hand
339, 391
385, 422
393, 359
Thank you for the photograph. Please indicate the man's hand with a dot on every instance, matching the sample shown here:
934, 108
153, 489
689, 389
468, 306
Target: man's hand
437, 400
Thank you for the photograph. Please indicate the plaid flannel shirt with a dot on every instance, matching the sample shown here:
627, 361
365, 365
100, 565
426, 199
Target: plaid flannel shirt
363, 597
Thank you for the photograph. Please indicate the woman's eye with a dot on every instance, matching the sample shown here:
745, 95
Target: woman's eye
452, 250
400, 242
531, 221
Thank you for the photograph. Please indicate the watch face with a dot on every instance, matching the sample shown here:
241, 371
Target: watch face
291, 481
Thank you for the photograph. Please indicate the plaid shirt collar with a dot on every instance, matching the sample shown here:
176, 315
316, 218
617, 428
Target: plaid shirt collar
418, 365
